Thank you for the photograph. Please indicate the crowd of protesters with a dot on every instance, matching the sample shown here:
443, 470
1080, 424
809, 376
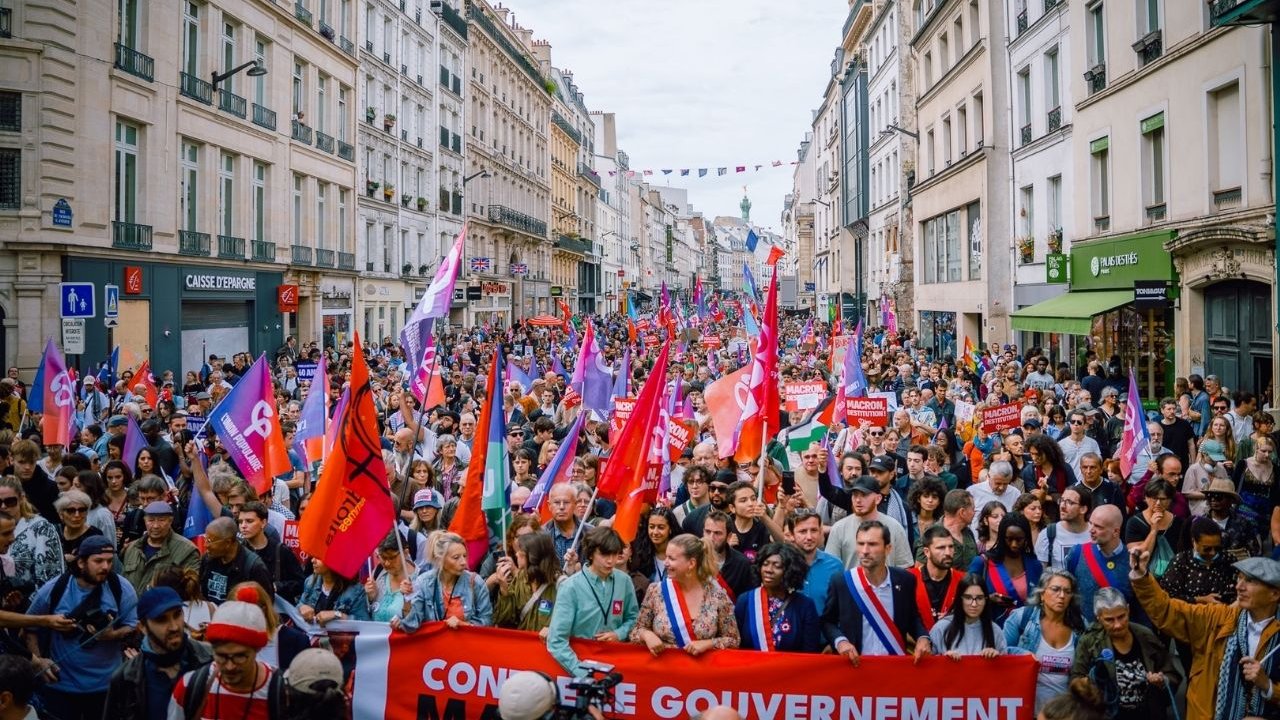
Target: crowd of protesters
1138, 593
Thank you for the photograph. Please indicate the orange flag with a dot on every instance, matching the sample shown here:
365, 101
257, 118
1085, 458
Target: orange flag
143, 377
351, 510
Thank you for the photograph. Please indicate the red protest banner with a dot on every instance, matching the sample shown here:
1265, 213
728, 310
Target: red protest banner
681, 435
873, 410
803, 395
292, 540
1001, 417
444, 673
711, 341
622, 408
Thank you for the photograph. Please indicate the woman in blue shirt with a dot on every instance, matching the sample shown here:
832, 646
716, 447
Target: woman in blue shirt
1009, 569
776, 616
328, 596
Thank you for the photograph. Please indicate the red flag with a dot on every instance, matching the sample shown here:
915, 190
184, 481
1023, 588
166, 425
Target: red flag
568, 314
761, 411
631, 476
143, 377
469, 521
351, 510
631, 332
775, 254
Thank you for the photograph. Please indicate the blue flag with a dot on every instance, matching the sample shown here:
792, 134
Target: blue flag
750, 281
752, 241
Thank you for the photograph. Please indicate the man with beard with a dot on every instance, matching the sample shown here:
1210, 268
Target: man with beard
142, 686
804, 530
104, 607
734, 572
718, 500
937, 581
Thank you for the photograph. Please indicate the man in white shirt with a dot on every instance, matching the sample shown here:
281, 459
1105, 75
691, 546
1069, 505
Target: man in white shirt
1241, 416
997, 487
1075, 444
1073, 529
842, 541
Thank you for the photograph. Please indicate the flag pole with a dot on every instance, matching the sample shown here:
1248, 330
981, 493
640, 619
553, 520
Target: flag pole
583, 523
422, 411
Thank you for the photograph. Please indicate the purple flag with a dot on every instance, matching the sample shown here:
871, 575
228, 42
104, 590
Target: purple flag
558, 469
592, 378
311, 422
623, 378
558, 367
134, 442
518, 374
434, 304
246, 424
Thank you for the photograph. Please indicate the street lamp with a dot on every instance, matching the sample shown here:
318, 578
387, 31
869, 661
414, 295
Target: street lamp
482, 174
254, 67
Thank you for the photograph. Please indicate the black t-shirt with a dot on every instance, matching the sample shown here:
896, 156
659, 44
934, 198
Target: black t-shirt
69, 547
217, 578
1176, 437
937, 592
750, 542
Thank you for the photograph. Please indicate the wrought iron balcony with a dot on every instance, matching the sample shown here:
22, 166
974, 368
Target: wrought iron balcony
302, 13
300, 255
230, 247
1244, 12
1055, 119
514, 220
232, 103
1051, 4
492, 28
346, 151
575, 245
568, 129
326, 30
453, 19
347, 46
301, 133
195, 88
591, 175
1156, 213
1022, 21
346, 261
135, 63
1228, 198
325, 258
130, 236
6, 23
1025, 135
191, 242
1096, 77
264, 117
1150, 47
1102, 223
263, 250
324, 142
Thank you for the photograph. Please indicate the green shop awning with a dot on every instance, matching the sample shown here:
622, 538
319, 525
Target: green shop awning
1069, 313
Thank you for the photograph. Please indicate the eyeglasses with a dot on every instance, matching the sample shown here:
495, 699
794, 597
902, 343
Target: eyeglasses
9, 502
974, 599
231, 658
1222, 408
75, 510
1077, 422
720, 489
876, 433
1058, 590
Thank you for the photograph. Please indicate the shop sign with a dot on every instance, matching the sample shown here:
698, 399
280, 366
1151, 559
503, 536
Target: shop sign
1116, 264
1150, 295
810, 287
132, 280
1055, 268
557, 291
495, 289
210, 281
287, 298
474, 292
622, 273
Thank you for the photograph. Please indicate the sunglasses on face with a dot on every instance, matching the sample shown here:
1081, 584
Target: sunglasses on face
9, 502
719, 489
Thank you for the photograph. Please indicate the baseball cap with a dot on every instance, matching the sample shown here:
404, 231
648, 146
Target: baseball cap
158, 601
202, 395
882, 463
311, 667
95, 545
426, 497
158, 507
1214, 450
117, 421
865, 484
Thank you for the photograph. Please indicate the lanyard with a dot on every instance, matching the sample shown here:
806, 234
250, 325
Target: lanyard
604, 606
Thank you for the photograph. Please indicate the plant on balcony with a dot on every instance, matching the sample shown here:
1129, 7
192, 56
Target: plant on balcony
372, 185
370, 113
388, 121
1026, 248
407, 269
423, 269
1054, 241
389, 192
422, 203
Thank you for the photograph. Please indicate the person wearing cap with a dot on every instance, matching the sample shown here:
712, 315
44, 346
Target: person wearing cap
1207, 467
104, 606
142, 686
314, 687
159, 547
236, 684
864, 504
1234, 664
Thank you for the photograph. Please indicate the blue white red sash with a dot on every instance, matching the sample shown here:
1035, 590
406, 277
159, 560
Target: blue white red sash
874, 613
677, 613
1002, 583
759, 626
1094, 560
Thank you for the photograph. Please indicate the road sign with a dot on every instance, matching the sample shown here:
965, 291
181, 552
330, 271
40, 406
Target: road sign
73, 336
62, 215
111, 307
111, 321
77, 300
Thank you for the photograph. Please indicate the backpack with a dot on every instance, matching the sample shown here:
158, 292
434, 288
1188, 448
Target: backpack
197, 691
60, 588
1051, 534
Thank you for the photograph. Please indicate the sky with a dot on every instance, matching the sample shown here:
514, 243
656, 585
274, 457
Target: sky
699, 83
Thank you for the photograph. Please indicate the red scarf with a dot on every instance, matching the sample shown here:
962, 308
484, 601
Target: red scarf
927, 614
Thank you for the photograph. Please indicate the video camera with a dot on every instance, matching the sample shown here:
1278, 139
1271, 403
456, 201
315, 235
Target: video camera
596, 689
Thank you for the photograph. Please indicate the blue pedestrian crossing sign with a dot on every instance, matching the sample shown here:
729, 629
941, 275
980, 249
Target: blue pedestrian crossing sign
77, 300
111, 308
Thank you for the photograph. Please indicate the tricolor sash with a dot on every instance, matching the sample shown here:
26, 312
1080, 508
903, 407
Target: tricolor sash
874, 612
724, 585
759, 626
677, 613
1002, 583
927, 613
1093, 559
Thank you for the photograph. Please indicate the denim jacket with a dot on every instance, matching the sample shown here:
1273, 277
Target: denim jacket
351, 602
427, 601
1022, 630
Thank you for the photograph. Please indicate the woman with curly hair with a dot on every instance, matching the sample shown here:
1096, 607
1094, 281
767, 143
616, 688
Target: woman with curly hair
526, 601
776, 616
1048, 474
650, 547
925, 502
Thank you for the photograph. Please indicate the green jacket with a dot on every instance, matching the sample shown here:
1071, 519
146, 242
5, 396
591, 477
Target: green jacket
139, 569
580, 601
1155, 656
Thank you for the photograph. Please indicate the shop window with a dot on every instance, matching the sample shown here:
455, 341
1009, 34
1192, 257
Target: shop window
1143, 340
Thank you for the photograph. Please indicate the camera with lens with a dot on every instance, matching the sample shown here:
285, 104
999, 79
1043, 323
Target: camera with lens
595, 689
529, 695
92, 622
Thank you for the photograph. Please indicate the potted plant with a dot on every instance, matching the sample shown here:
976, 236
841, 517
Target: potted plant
1054, 241
407, 269
1027, 248
372, 186
422, 203
389, 192
423, 269
369, 114
388, 121
404, 200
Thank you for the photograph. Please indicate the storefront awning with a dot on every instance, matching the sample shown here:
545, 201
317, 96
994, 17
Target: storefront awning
1069, 313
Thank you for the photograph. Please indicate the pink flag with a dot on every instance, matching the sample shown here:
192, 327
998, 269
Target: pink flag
435, 303
134, 442
1136, 437
315, 412
247, 426
57, 424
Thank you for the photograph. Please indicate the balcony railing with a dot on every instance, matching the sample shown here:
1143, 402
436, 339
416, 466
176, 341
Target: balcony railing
591, 175
1096, 77
1051, 4
346, 151
301, 133
1228, 198
134, 62
347, 46
130, 236
263, 250
477, 14
453, 19
1055, 119
517, 220
325, 258
232, 103
264, 117
230, 247
191, 242
302, 13
568, 129
575, 245
346, 261
326, 30
1156, 213
300, 255
1101, 223
324, 142
1022, 21
1150, 47
195, 88
1025, 135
